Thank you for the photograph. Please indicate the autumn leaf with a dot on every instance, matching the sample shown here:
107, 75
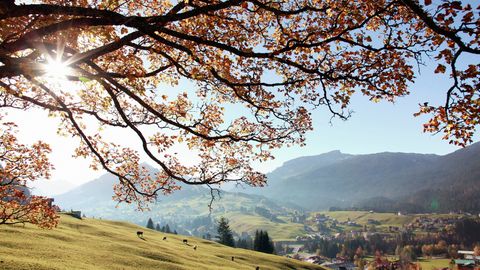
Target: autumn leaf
440, 69
135, 57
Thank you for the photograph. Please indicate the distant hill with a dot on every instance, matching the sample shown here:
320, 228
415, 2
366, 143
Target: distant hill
100, 244
186, 210
385, 181
100, 191
382, 182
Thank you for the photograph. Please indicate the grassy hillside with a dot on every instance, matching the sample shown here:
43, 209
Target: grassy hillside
180, 209
101, 244
278, 231
431, 264
425, 263
362, 217
385, 220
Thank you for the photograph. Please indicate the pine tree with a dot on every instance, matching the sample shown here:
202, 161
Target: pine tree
157, 228
167, 229
256, 241
269, 248
262, 242
225, 234
150, 224
243, 243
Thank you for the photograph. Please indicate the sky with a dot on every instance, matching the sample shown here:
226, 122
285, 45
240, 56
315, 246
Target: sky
373, 128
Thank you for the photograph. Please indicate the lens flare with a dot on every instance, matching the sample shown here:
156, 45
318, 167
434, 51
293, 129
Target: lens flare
57, 69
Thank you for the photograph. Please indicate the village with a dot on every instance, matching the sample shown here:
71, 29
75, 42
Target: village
367, 240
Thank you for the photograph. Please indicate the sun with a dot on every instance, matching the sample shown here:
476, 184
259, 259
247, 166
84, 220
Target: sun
58, 73
57, 69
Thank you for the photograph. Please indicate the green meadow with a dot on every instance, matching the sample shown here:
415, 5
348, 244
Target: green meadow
102, 244
431, 264
362, 217
284, 230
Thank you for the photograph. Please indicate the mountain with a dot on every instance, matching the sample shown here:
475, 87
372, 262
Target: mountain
382, 182
398, 180
293, 167
187, 210
100, 244
99, 192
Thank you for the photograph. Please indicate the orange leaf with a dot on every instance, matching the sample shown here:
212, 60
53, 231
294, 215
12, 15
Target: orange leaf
440, 69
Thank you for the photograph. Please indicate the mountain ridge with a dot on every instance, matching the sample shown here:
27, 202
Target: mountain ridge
386, 181
345, 180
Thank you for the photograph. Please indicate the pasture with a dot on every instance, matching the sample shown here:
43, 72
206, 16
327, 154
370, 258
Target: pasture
101, 244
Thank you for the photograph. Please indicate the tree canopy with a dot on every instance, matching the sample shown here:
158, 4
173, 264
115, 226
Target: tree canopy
19, 165
111, 61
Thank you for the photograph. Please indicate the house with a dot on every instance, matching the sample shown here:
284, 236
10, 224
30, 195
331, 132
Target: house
353, 224
463, 264
355, 234
296, 248
469, 261
75, 214
321, 219
393, 229
316, 259
366, 235
469, 255
339, 265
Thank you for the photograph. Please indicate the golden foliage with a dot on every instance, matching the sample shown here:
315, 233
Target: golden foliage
272, 62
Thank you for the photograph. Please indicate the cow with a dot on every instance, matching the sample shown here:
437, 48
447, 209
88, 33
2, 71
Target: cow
185, 241
195, 248
140, 234
164, 238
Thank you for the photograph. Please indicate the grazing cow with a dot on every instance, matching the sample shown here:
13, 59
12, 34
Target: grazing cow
164, 238
233, 258
185, 241
140, 234
195, 248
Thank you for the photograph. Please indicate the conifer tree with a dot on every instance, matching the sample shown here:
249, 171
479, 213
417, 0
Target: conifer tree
150, 224
262, 242
267, 243
225, 234
256, 241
